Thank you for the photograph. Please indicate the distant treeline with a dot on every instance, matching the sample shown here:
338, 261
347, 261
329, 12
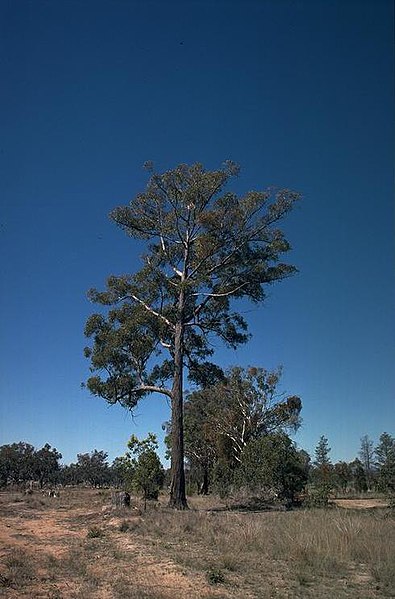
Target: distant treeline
236, 442
269, 466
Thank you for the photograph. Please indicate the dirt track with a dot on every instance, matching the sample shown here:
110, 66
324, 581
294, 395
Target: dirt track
54, 538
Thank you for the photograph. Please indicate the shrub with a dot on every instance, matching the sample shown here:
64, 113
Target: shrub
215, 576
95, 533
223, 479
148, 474
272, 466
318, 496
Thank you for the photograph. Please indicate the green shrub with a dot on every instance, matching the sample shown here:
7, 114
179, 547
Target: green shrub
318, 496
95, 533
215, 576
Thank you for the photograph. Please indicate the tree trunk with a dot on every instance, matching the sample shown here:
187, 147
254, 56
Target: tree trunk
177, 490
204, 487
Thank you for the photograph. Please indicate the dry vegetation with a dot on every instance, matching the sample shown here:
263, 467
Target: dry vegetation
78, 547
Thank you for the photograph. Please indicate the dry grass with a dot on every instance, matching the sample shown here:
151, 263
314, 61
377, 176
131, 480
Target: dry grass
78, 547
338, 550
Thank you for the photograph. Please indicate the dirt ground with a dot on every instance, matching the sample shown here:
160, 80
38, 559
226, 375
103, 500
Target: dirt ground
77, 546
46, 545
360, 504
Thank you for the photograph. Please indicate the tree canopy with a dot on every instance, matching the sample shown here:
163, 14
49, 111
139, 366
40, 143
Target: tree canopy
21, 462
220, 420
205, 248
385, 461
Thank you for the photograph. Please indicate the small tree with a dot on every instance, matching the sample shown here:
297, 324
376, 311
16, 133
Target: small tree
322, 474
221, 419
122, 470
342, 473
273, 464
200, 450
385, 461
70, 474
366, 455
148, 473
322, 460
359, 476
93, 468
46, 462
17, 463
207, 248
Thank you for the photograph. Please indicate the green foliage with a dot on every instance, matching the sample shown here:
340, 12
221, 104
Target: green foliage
322, 452
322, 473
342, 475
385, 461
95, 533
215, 576
140, 468
223, 478
137, 447
93, 468
206, 248
322, 476
359, 476
219, 421
272, 464
123, 471
70, 474
21, 462
318, 496
47, 464
149, 474
16, 463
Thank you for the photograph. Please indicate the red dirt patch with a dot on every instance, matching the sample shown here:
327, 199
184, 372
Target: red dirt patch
46, 553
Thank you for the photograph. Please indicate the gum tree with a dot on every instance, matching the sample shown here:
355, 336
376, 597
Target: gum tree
222, 419
47, 464
205, 248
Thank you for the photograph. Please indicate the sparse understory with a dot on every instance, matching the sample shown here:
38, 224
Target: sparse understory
78, 546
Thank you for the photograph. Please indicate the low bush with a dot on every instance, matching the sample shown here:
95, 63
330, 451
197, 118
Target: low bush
95, 533
215, 576
318, 496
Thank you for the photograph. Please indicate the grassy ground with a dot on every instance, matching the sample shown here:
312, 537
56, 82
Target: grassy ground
78, 547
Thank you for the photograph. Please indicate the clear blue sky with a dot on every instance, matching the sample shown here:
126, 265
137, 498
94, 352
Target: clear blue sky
300, 93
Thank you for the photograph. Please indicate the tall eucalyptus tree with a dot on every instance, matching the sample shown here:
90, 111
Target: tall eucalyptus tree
205, 248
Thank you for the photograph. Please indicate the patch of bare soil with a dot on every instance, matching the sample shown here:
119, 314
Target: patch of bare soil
46, 552
360, 504
78, 547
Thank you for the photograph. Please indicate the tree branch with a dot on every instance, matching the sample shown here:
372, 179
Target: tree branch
152, 389
148, 308
224, 294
